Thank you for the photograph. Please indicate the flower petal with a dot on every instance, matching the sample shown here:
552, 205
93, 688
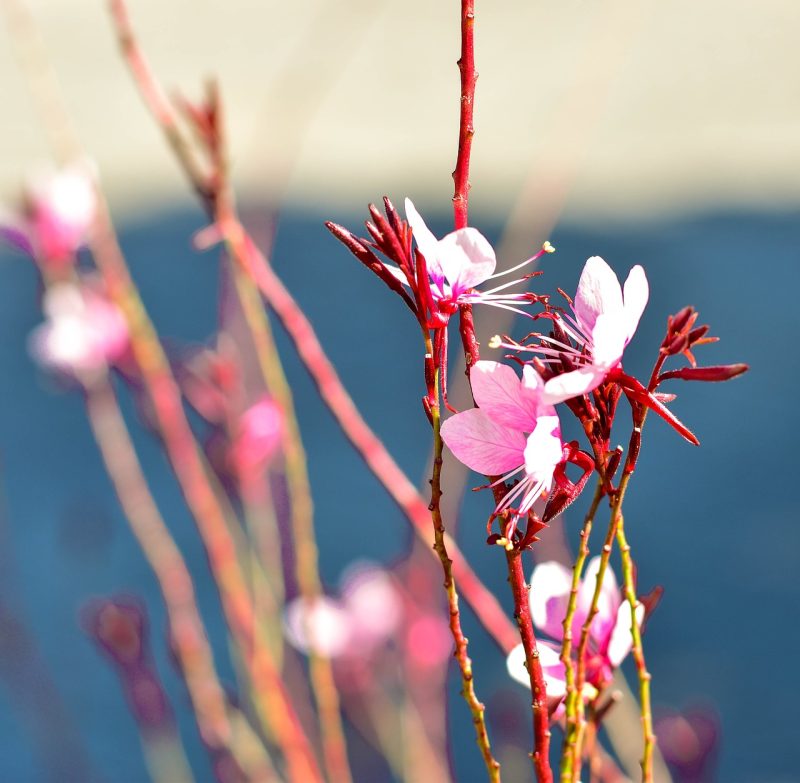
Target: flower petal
482, 444
467, 259
598, 292
621, 639
426, 241
397, 273
636, 293
552, 668
501, 396
322, 626
551, 583
544, 450
573, 384
609, 338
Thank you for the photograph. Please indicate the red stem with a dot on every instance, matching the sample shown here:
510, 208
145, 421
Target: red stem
466, 130
522, 613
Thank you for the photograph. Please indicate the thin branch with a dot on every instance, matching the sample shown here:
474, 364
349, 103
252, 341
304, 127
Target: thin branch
638, 654
187, 633
466, 128
189, 469
572, 694
522, 613
462, 657
355, 428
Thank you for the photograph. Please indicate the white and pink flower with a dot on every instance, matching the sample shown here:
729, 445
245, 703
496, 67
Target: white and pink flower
367, 614
60, 207
514, 430
610, 638
84, 332
605, 317
458, 263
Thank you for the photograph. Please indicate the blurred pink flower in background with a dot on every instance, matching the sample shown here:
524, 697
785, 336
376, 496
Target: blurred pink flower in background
689, 741
259, 431
322, 626
84, 333
610, 638
58, 212
428, 640
365, 617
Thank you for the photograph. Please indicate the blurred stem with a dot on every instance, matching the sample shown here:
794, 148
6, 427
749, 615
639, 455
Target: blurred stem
638, 654
323, 684
465, 664
311, 353
580, 680
42, 79
165, 397
183, 452
263, 552
165, 758
570, 735
187, 632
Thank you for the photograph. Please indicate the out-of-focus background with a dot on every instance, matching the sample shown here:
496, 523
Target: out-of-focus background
661, 134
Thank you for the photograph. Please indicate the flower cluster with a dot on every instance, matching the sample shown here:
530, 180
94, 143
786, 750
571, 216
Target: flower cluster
610, 638
515, 428
513, 437
443, 273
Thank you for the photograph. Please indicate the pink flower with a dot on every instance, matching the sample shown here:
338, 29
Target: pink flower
366, 616
59, 211
458, 263
610, 638
605, 319
258, 436
514, 430
84, 332
322, 626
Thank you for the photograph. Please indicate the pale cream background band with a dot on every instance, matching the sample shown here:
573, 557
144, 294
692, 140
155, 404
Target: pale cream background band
616, 106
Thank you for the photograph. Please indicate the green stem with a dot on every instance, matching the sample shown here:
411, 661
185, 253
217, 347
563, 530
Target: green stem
580, 680
476, 708
638, 654
573, 694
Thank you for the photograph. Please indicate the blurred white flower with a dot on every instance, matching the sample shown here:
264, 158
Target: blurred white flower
83, 334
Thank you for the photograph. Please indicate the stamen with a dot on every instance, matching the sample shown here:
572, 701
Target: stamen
501, 287
524, 263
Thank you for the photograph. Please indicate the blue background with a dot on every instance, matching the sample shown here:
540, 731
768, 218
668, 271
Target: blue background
716, 525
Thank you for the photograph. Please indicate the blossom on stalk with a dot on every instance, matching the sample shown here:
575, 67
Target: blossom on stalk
58, 212
443, 273
605, 317
458, 263
610, 637
84, 332
514, 430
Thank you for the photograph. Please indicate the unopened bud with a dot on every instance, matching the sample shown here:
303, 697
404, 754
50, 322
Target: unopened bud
722, 372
